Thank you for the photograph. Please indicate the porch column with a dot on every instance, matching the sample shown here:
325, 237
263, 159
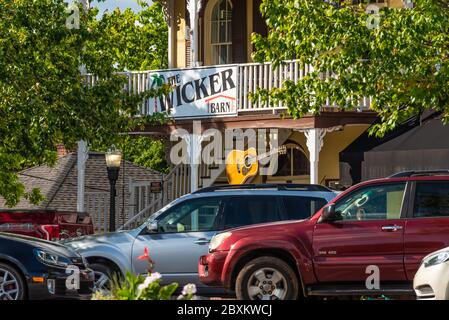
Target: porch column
194, 7
315, 137
315, 141
83, 153
194, 148
82, 156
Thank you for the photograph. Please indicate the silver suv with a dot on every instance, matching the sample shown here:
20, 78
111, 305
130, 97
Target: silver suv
178, 234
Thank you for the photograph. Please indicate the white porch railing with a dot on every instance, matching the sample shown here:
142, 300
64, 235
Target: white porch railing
251, 76
175, 184
97, 205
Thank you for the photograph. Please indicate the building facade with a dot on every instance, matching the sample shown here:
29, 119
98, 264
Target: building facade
210, 40
213, 77
214, 32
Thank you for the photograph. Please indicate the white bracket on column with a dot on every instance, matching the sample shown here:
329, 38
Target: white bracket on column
315, 141
194, 7
82, 156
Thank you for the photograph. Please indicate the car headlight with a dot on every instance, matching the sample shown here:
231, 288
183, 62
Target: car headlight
436, 259
52, 259
216, 241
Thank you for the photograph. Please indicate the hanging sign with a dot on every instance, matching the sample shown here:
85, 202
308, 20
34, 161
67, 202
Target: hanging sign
200, 92
156, 187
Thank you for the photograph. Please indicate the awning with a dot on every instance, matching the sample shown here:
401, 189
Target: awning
413, 146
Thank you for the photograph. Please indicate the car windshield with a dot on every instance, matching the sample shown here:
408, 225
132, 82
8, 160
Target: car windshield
157, 214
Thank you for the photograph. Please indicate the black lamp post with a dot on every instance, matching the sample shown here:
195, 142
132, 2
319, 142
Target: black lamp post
113, 161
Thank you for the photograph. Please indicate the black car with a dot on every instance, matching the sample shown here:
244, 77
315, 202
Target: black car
36, 269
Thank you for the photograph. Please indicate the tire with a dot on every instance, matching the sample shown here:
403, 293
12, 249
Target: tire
255, 280
104, 276
12, 285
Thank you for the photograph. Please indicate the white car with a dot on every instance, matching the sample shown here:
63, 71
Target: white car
432, 279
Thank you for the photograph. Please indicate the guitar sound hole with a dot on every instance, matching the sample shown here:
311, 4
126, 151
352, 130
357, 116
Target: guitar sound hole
247, 162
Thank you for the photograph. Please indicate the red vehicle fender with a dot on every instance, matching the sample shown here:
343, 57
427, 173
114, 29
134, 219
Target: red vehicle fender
286, 244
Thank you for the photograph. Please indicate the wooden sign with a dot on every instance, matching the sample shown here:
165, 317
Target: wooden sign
156, 187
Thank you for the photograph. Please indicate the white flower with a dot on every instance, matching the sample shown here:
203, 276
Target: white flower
149, 280
189, 289
153, 277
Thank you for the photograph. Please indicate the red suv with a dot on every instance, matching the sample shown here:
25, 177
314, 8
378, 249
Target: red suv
369, 240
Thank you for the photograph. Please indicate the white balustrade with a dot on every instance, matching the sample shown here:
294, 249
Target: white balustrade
250, 77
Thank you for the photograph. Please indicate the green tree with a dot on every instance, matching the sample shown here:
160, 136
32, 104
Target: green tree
141, 150
44, 100
146, 152
132, 41
399, 58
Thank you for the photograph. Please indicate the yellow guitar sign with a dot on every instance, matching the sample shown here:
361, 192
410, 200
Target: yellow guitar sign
242, 165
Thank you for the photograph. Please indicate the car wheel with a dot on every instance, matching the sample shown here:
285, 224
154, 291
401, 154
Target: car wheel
267, 278
103, 276
12, 286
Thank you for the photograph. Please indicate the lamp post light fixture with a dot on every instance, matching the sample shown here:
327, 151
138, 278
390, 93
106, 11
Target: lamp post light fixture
113, 162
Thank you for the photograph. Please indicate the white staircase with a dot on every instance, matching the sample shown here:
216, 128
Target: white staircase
175, 184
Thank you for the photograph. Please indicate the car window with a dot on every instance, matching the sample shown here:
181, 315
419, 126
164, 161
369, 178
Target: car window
302, 207
191, 216
431, 199
377, 202
246, 210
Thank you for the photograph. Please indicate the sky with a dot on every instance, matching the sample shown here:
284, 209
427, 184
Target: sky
112, 4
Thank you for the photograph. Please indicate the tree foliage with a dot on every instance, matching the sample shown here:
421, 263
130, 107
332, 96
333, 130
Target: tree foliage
145, 151
399, 57
142, 150
132, 41
44, 101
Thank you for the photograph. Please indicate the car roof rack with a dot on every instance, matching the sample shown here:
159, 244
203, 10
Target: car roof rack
415, 173
278, 186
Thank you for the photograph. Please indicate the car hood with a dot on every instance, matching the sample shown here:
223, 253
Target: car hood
54, 247
278, 224
274, 230
112, 238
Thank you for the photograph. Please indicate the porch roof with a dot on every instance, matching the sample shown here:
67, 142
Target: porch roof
265, 120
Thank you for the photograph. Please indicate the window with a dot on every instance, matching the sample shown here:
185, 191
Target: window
191, 216
293, 163
302, 207
245, 210
373, 203
431, 199
221, 32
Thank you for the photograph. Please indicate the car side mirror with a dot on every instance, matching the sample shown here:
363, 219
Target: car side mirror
329, 214
152, 227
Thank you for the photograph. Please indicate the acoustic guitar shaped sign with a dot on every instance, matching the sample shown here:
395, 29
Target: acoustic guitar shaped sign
242, 165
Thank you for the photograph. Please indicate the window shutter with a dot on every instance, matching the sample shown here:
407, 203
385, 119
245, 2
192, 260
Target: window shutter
239, 41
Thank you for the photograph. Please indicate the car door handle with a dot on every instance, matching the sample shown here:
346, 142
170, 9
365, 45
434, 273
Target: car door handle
202, 241
391, 228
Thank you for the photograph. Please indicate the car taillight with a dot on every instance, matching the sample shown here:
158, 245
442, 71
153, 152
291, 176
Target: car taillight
51, 231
